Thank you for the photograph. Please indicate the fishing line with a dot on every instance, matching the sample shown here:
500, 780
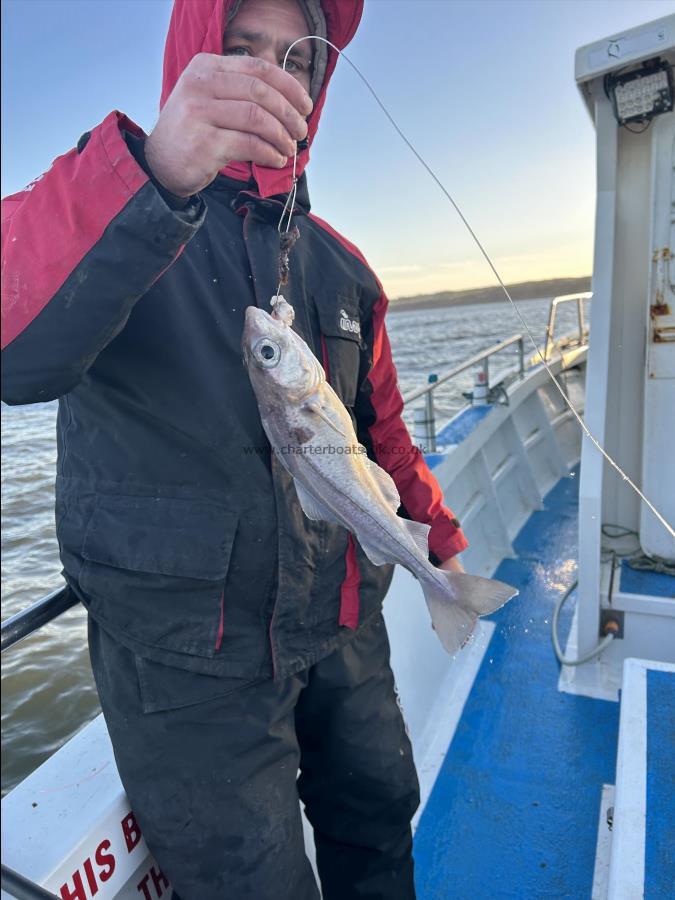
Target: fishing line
288, 210
290, 200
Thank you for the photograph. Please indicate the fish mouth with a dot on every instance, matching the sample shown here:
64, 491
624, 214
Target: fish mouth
253, 313
257, 320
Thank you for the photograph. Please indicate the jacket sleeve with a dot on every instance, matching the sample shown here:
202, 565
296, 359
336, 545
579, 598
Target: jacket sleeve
80, 246
379, 409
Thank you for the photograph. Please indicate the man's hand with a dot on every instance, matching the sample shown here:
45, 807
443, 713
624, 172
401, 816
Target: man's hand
225, 108
452, 565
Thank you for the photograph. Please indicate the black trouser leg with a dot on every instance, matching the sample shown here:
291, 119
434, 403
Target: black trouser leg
358, 779
212, 784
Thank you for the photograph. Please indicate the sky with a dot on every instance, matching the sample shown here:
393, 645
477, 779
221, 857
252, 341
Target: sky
484, 89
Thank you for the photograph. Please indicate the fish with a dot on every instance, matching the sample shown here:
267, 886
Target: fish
312, 434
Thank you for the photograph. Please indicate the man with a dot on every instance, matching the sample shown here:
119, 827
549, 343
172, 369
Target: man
233, 641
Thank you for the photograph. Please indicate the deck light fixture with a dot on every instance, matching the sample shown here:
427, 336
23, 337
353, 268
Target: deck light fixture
640, 95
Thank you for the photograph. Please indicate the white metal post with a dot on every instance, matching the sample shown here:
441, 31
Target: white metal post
592, 463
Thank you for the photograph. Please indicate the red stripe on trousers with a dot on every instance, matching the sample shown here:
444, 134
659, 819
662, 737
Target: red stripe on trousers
221, 623
349, 592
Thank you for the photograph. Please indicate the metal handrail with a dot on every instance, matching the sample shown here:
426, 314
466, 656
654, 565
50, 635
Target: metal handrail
579, 299
427, 417
470, 363
45, 610
15, 629
22, 888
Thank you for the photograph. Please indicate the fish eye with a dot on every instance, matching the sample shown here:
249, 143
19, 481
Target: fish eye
267, 353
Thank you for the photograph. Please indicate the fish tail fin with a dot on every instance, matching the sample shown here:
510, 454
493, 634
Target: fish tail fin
455, 610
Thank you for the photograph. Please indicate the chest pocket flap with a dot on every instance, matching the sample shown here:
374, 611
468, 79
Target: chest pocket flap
340, 323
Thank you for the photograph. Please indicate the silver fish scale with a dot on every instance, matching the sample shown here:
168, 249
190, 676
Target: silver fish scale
341, 480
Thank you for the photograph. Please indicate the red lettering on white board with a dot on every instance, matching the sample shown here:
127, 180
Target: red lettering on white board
106, 866
91, 878
78, 893
131, 832
159, 882
105, 860
143, 888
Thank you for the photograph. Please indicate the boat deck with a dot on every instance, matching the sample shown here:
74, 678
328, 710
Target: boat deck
653, 584
514, 811
643, 841
659, 863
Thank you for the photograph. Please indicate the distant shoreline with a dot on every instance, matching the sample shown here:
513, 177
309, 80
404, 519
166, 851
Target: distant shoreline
525, 290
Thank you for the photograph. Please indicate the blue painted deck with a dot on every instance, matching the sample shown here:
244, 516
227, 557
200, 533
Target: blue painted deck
462, 425
654, 584
660, 842
514, 811
457, 430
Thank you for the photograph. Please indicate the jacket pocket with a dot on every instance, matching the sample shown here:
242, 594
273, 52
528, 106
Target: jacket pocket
340, 324
155, 568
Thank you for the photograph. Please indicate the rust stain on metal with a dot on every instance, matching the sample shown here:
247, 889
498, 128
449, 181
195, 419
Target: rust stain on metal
663, 327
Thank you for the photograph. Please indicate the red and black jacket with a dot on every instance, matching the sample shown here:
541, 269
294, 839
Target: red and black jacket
177, 527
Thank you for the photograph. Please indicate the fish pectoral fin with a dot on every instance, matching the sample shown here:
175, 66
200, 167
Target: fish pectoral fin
419, 532
385, 483
312, 507
314, 407
374, 554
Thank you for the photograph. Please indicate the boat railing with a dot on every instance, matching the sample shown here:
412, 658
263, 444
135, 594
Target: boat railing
29, 620
425, 416
15, 629
582, 331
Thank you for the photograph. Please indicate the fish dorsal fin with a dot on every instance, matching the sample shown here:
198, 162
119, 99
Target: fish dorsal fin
312, 507
386, 484
419, 532
316, 407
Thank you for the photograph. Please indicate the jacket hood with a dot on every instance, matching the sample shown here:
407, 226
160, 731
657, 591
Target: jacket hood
198, 26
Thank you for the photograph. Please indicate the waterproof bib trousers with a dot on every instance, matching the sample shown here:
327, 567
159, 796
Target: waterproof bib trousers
215, 779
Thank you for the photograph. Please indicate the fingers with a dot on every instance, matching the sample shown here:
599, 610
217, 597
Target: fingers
246, 116
256, 81
247, 147
238, 86
273, 76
